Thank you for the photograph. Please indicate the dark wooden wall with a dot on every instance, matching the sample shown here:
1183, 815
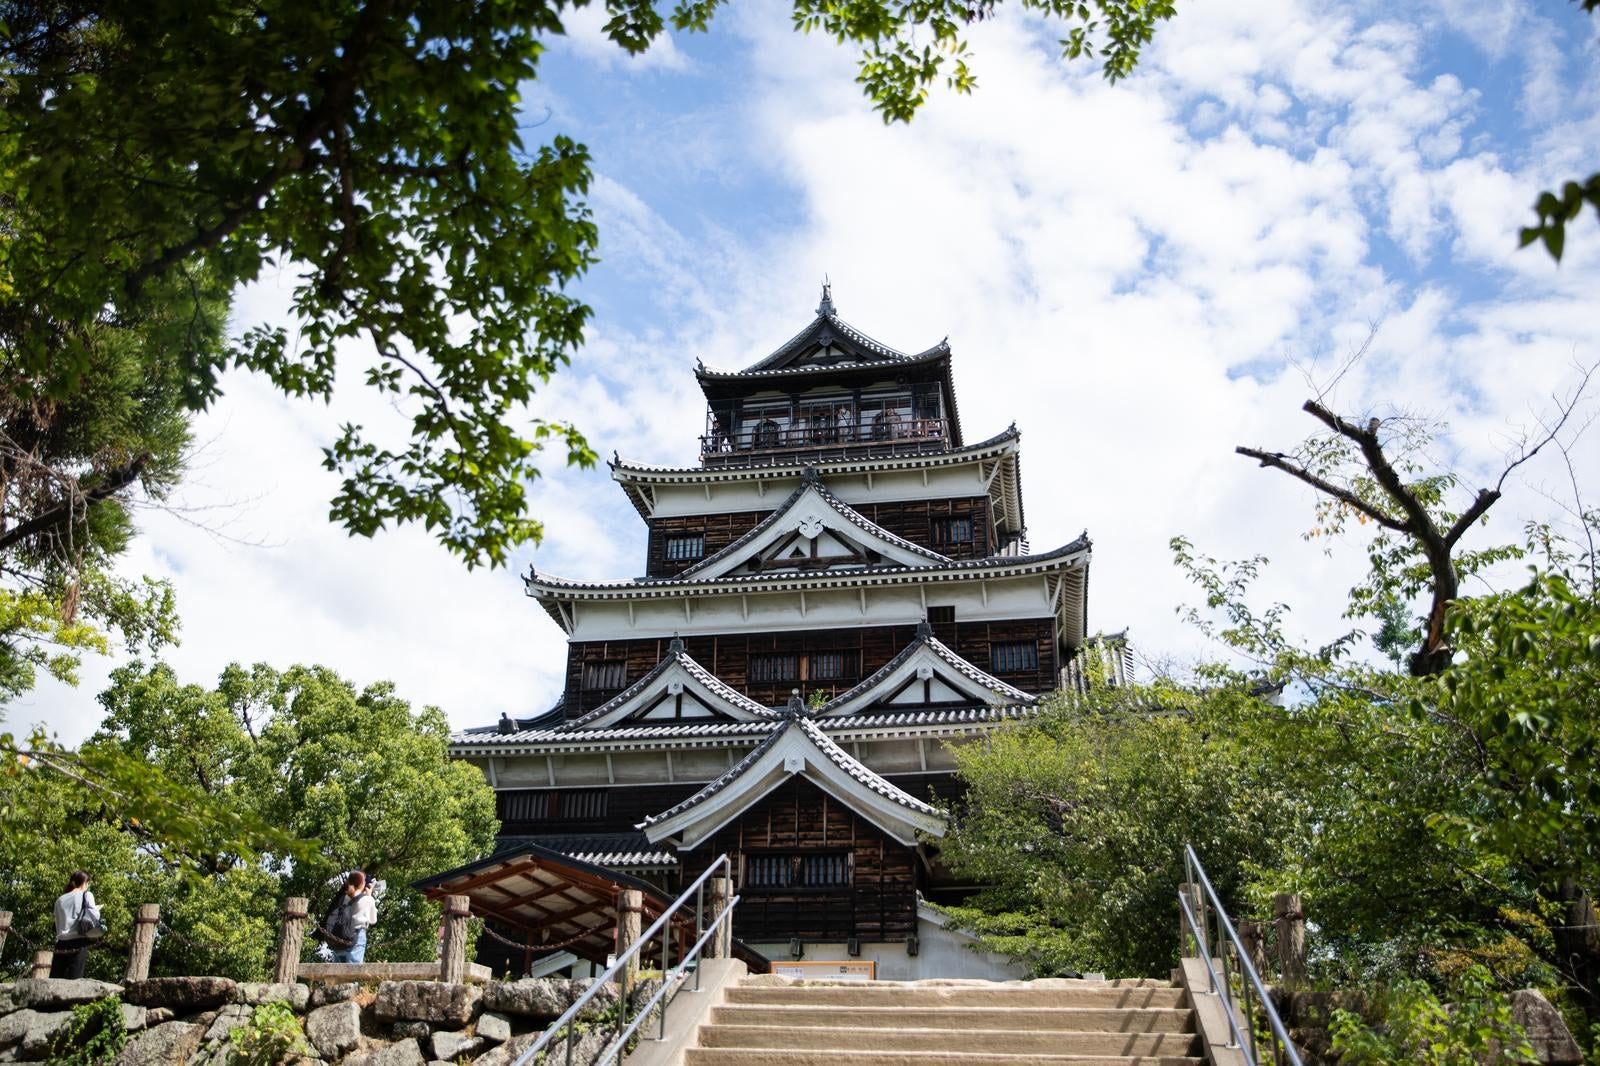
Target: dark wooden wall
911, 519
879, 904
866, 649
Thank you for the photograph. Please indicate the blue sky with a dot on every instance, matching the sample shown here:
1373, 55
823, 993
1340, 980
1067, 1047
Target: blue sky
1142, 276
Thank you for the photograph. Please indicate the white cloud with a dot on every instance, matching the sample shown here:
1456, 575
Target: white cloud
1126, 271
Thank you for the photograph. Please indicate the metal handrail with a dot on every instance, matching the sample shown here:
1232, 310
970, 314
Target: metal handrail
1254, 989
662, 925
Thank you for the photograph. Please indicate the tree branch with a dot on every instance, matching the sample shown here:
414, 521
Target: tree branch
115, 481
1279, 461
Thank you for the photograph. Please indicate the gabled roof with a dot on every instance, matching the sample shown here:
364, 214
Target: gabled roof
630, 852
797, 747
829, 342
925, 673
809, 523
689, 690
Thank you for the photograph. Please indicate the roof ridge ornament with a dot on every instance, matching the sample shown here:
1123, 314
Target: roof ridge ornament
796, 707
825, 307
924, 630
676, 646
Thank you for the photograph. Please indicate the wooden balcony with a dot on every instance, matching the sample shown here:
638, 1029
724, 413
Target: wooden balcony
769, 443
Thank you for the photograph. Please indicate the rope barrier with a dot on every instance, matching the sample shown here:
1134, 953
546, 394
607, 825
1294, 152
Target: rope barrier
550, 946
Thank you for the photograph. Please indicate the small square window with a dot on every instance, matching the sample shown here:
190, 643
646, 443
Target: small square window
953, 531
602, 676
685, 547
1014, 657
826, 665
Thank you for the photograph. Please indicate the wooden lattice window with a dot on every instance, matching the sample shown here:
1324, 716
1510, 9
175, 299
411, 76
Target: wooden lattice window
603, 676
772, 667
685, 547
825, 666
952, 531
1013, 657
803, 870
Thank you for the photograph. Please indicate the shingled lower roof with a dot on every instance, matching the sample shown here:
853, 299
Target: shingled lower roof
717, 698
929, 660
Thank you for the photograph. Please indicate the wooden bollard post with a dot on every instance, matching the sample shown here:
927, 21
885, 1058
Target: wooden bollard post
41, 963
630, 913
720, 946
1254, 938
453, 958
291, 939
1188, 944
143, 943
5, 929
1291, 928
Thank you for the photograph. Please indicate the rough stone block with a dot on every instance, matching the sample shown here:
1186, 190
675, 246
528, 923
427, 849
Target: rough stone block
410, 1030
1547, 1032
172, 1043
531, 997
335, 1029
256, 993
451, 1046
399, 1053
134, 1017
323, 995
181, 994
450, 1005
41, 1030
42, 993
154, 1016
603, 1000
228, 1019
495, 1028
14, 1026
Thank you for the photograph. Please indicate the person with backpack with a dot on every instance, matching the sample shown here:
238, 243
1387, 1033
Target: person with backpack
354, 913
78, 925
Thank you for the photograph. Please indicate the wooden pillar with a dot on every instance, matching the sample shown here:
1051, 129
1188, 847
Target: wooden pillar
1253, 936
630, 912
453, 959
143, 943
720, 946
1188, 946
1291, 928
291, 938
5, 929
41, 963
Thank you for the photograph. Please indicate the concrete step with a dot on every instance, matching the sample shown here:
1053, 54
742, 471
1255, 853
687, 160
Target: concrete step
1082, 994
992, 1041
772, 1057
1079, 1019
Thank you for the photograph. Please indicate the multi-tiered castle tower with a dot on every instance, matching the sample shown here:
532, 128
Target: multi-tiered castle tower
842, 586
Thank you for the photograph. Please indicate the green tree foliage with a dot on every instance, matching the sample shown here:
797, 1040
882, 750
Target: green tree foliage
346, 778
375, 148
360, 772
1418, 1029
1077, 821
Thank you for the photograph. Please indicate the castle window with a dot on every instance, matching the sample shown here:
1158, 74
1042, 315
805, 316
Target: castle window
825, 665
952, 531
611, 674
1014, 657
771, 873
767, 434
684, 547
770, 668
546, 806
942, 616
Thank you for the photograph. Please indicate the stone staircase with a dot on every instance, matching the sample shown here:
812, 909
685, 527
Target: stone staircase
769, 1021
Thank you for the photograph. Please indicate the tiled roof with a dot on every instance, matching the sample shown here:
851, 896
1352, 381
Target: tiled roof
810, 480
626, 469
926, 639
676, 655
631, 733
831, 751
955, 566
620, 851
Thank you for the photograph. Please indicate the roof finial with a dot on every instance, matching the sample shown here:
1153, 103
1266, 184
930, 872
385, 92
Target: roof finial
826, 306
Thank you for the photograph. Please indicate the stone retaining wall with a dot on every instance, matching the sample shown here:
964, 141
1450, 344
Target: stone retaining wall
187, 1021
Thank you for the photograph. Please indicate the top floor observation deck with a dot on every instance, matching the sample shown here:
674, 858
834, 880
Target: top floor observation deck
829, 393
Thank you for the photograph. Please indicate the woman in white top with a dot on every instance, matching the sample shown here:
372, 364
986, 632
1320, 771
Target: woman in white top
352, 916
72, 951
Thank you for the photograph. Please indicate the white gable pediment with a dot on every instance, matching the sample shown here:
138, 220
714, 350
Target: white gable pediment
813, 531
678, 689
926, 673
798, 748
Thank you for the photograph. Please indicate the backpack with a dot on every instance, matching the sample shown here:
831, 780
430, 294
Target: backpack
341, 923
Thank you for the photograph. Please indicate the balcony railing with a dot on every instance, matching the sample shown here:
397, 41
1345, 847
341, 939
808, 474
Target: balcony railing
768, 441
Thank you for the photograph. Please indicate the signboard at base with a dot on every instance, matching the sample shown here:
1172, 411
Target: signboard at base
853, 970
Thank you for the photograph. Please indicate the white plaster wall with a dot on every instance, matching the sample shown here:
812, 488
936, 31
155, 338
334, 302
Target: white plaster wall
723, 497
996, 599
941, 954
